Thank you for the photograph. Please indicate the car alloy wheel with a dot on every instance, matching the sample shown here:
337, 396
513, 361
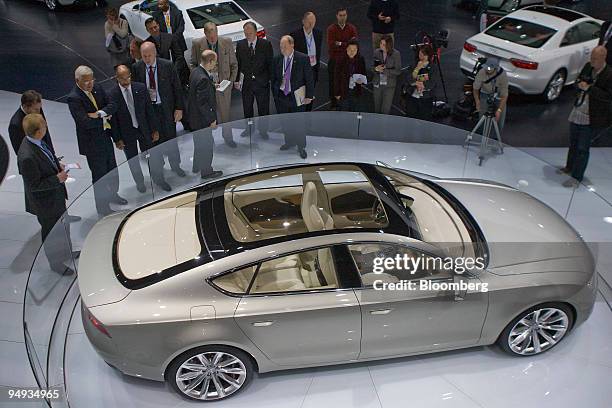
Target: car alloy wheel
538, 330
555, 86
211, 375
51, 4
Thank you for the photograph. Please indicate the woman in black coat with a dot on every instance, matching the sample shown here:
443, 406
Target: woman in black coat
350, 93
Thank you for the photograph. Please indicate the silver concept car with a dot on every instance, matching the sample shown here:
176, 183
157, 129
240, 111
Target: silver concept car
282, 268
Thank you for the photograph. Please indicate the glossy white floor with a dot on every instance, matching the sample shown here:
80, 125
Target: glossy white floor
576, 372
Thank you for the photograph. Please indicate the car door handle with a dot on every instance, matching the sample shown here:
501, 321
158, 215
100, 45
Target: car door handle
263, 324
380, 312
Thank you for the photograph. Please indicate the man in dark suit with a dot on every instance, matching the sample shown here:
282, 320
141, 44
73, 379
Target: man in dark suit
605, 39
308, 40
202, 112
90, 108
31, 102
170, 20
45, 193
165, 92
255, 57
165, 43
133, 125
291, 71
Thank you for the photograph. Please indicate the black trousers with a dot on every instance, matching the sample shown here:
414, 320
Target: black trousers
579, 149
419, 108
167, 136
156, 160
252, 93
104, 176
331, 66
56, 239
203, 145
293, 126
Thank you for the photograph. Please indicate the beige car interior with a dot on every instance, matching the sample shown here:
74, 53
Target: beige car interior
143, 246
278, 205
309, 270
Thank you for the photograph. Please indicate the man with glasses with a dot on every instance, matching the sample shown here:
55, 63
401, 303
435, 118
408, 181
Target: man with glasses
90, 108
133, 125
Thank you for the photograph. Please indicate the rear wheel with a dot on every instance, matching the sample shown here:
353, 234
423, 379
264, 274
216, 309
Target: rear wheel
555, 86
210, 373
537, 329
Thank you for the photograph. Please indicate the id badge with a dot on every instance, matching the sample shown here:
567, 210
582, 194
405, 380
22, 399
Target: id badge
153, 95
383, 79
313, 60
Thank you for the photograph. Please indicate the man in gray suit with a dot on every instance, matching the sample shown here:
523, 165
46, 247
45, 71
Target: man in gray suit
226, 69
202, 113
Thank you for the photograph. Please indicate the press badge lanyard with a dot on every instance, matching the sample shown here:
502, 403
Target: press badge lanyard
287, 65
309, 43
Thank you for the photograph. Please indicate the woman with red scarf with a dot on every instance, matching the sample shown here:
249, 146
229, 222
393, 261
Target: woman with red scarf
348, 83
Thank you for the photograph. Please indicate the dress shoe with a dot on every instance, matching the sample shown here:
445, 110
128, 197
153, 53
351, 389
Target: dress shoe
214, 174
72, 218
119, 200
179, 172
571, 183
231, 144
245, 133
264, 135
286, 147
163, 185
195, 169
563, 170
141, 187
302, 152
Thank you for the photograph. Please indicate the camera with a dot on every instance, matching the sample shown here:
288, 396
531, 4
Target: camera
492, 104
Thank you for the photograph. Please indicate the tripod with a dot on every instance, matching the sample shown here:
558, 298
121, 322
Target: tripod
486, 123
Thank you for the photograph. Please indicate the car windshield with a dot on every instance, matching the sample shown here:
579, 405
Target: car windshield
521, 32
299, 200
218, 13
435, 219
504, 5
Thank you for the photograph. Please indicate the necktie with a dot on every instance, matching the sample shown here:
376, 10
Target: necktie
48, 153
105, 123
287, 80
608, 36
152, 83
252, 49
130, 105
168, 26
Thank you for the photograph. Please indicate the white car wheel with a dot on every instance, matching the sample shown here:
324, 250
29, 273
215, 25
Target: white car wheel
555, 86
51, 4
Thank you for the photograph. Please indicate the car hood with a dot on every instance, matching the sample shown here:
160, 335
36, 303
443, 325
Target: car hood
522, 233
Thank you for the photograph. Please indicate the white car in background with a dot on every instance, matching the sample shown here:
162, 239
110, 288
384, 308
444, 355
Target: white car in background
541, 48
227, 15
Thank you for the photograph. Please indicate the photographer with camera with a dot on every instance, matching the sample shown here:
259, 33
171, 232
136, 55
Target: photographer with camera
591, 114
491, 91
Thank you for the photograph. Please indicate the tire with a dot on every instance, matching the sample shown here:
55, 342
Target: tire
555, 86
203, 372
536, 338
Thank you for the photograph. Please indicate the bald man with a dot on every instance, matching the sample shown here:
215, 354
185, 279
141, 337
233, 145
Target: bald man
591, 114
166, 94
291, 71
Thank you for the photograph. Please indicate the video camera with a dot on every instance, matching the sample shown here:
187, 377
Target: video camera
439, 40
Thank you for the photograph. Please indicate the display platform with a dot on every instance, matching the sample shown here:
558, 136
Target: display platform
575, 372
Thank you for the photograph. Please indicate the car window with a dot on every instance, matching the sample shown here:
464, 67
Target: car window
571, 37
588, 31
236, 282
148, 6
309, 270
521, 32
369, 259
300, 200
220, 14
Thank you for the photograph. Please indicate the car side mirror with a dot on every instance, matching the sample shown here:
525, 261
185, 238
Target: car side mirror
136, 7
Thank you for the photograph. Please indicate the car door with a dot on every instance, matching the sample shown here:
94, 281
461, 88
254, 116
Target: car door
412, 320
297, 313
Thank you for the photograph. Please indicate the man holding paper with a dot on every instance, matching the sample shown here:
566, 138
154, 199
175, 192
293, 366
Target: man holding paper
292, 89
226, 70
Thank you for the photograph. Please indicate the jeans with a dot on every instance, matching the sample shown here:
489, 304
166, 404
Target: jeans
578, 154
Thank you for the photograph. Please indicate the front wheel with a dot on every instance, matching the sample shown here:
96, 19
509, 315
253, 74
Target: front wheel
210, 373
555, 86
537, 330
